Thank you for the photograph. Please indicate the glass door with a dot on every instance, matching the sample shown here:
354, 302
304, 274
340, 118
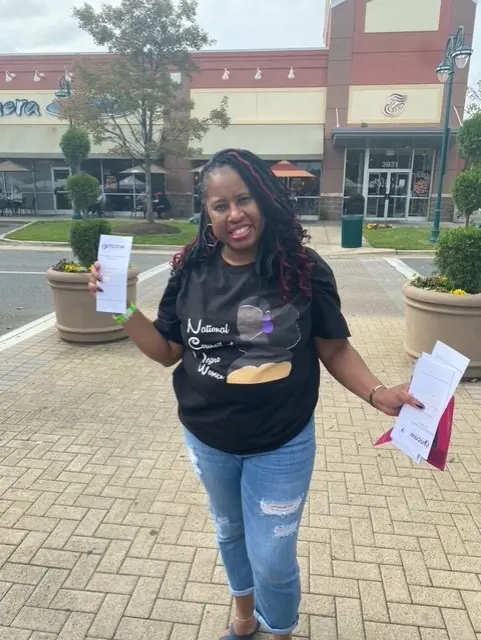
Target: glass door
387, 194
60, 176
376, 194
398, 197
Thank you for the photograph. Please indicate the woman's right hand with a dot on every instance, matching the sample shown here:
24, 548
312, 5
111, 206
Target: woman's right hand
95, 277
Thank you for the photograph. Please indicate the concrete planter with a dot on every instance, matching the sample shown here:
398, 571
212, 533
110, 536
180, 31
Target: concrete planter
74, 305
455, 320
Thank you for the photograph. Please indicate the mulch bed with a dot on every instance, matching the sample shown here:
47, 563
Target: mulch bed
147, 229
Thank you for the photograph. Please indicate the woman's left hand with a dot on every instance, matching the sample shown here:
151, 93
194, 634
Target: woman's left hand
390, 401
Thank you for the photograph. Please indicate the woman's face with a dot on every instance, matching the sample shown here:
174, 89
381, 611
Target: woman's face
234, 214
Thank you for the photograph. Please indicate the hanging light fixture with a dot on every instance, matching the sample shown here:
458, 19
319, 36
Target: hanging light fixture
292, 74
38, 76
226, 74
462, 55
258, 75
9, 76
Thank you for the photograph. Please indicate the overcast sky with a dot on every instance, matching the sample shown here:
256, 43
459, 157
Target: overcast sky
46, 26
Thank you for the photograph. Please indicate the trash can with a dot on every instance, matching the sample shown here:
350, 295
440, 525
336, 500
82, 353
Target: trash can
352, 223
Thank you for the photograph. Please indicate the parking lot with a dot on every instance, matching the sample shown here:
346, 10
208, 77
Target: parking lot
24, 291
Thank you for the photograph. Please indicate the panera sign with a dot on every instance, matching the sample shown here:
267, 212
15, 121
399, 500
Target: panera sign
395, 106
19, 108
25, 108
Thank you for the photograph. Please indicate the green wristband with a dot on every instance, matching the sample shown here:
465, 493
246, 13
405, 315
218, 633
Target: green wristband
123, 318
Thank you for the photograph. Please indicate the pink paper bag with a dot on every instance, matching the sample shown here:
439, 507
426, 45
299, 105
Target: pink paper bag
439, 451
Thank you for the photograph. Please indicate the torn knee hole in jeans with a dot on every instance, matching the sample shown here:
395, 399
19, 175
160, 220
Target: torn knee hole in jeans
286, 530
195, 461
283, 510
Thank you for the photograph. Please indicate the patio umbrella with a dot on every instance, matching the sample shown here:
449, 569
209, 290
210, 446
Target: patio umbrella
10, 167
140, 169
197, 169
130, 181
286, 169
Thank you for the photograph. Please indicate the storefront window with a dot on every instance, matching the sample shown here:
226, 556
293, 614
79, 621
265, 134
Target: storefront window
18, 183
43, 176
94, 168
354, 172
421, 183
119, 186
389, 159
44, 202
308, 186
60, 177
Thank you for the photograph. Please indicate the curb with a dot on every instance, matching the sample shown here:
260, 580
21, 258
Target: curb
166, 248
3, 237
417, 252
171, 248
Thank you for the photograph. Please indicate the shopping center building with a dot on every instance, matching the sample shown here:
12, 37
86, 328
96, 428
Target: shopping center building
364, 115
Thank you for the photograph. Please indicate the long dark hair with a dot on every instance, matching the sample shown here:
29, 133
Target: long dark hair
282, 252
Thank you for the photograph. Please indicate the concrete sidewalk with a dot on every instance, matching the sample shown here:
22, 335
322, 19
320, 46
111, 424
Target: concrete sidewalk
325, 238
104, 529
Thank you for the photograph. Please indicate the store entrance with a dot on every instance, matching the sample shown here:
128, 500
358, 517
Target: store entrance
60, 175
387, 194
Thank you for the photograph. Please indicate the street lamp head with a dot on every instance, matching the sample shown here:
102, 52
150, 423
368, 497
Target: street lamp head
443, 72
462, 55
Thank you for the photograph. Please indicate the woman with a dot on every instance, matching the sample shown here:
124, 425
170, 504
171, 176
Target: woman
248, 312
162, 205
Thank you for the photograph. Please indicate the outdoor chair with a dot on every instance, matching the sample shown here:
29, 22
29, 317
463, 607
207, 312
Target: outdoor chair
30, 206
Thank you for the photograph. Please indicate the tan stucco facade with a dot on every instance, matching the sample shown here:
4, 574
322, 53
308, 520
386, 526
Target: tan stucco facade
390, 105
30, 127
275, 123
271, 141
265, 106
396, 16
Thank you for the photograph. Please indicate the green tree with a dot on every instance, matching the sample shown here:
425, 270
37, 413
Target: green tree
469, 140
473, 100
458, 257
133, 100
83, 190
85, 238
75, 145
467, 192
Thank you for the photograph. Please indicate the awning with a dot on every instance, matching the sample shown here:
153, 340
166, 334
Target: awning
270, 141
365, 137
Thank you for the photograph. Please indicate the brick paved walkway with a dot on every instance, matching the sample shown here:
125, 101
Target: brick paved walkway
104, 531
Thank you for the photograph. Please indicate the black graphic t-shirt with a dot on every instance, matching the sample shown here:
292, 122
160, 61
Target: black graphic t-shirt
249, 378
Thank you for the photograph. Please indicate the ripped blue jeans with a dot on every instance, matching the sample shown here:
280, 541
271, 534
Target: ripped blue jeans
257, 503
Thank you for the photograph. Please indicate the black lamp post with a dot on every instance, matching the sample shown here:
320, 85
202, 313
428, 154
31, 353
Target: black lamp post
456, 56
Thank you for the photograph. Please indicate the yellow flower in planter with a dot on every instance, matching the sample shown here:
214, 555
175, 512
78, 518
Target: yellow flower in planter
369, 226
459, 292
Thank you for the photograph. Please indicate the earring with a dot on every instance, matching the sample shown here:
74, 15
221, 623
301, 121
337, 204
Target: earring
209, 235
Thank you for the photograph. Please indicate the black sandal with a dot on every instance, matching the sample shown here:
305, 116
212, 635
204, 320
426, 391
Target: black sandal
231, 635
